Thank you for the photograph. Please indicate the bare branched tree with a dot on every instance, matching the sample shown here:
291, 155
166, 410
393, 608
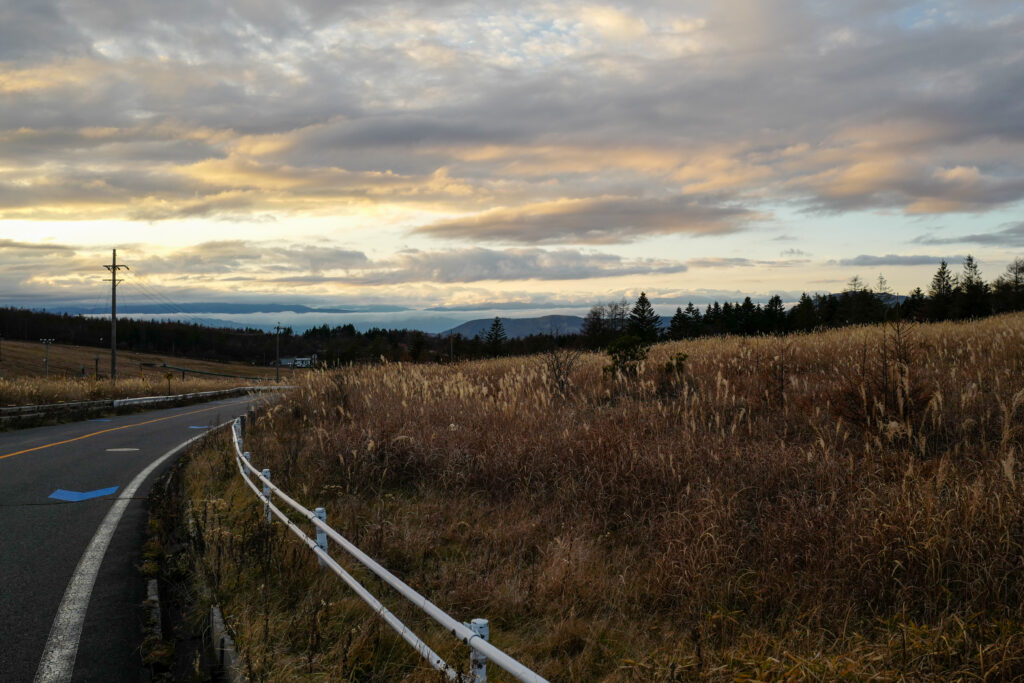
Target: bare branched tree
559, 363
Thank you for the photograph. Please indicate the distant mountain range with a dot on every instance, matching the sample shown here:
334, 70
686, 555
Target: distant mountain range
215, 307
524, 327
521, 327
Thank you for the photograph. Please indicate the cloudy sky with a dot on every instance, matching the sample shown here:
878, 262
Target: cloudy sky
481, 155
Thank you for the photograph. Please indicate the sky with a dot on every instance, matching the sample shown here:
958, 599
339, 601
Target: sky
461, 157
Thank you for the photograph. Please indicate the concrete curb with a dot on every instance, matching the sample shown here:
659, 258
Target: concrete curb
153, 602
227, 663
224, 651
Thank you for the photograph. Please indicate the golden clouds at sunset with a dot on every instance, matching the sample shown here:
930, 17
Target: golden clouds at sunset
704, 132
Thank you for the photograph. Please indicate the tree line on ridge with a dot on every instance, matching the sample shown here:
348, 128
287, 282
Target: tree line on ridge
950, 296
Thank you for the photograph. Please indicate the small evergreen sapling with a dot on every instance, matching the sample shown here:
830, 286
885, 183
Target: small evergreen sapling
627, 353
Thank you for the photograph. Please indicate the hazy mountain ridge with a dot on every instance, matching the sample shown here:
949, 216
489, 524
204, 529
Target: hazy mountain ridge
211, 307
521, 327
524, 327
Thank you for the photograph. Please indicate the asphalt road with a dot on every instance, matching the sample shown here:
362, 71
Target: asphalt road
50, 548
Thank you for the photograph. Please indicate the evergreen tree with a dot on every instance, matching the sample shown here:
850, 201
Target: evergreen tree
826, 308
859, 306
915, 306
495, 339
694, 319
417, 346
1009, 287
775, 314
747, 317
940, 293
693, 313
713, 318
972, 300
803, 316
972, 273
728, 318
643, 321
679, 326
627, 353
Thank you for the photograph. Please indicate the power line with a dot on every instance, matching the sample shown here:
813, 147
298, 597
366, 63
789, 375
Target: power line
162, 300
94, 306
150, 291
164, 308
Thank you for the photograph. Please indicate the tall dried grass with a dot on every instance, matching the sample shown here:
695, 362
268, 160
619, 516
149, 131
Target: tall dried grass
38, 390
838, 504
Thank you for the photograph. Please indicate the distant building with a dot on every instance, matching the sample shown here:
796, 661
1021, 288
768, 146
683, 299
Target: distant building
307, 362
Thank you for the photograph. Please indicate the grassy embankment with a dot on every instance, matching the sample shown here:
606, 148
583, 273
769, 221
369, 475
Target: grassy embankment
71, 376
843, 504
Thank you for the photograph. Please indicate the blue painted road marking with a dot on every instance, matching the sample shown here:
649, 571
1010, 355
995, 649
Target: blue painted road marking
101, 419
198, 427
79, 496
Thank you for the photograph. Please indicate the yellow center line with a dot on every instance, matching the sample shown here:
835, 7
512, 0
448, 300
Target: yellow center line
106, 431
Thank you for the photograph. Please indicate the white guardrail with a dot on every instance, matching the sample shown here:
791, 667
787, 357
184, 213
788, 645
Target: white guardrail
23, 413
17, 412
474, 634
150, 400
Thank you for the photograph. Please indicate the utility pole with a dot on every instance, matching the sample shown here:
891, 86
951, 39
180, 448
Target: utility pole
46, 358
113, 268
277, 347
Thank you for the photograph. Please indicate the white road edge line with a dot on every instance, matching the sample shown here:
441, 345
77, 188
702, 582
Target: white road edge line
58, 661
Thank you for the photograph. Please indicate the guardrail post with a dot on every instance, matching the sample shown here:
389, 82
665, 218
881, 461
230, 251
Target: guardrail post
321, 535
241, 425
477, 661
266, 493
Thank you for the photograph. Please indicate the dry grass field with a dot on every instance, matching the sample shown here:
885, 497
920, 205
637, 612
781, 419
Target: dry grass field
837, 505
72, 374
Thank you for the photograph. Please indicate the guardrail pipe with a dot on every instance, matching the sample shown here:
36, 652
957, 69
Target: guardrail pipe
321, 535
469, 636
477, 660
408, 636
266, 492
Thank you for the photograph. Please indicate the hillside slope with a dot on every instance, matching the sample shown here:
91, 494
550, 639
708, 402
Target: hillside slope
846, 504
26, 359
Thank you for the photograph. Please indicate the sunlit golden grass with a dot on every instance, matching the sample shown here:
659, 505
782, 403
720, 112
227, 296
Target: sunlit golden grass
72, 377
839, 504
37, 390
26, 359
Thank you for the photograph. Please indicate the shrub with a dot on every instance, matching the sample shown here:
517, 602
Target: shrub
627, 354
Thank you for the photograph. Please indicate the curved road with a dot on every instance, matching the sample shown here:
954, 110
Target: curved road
70, 588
